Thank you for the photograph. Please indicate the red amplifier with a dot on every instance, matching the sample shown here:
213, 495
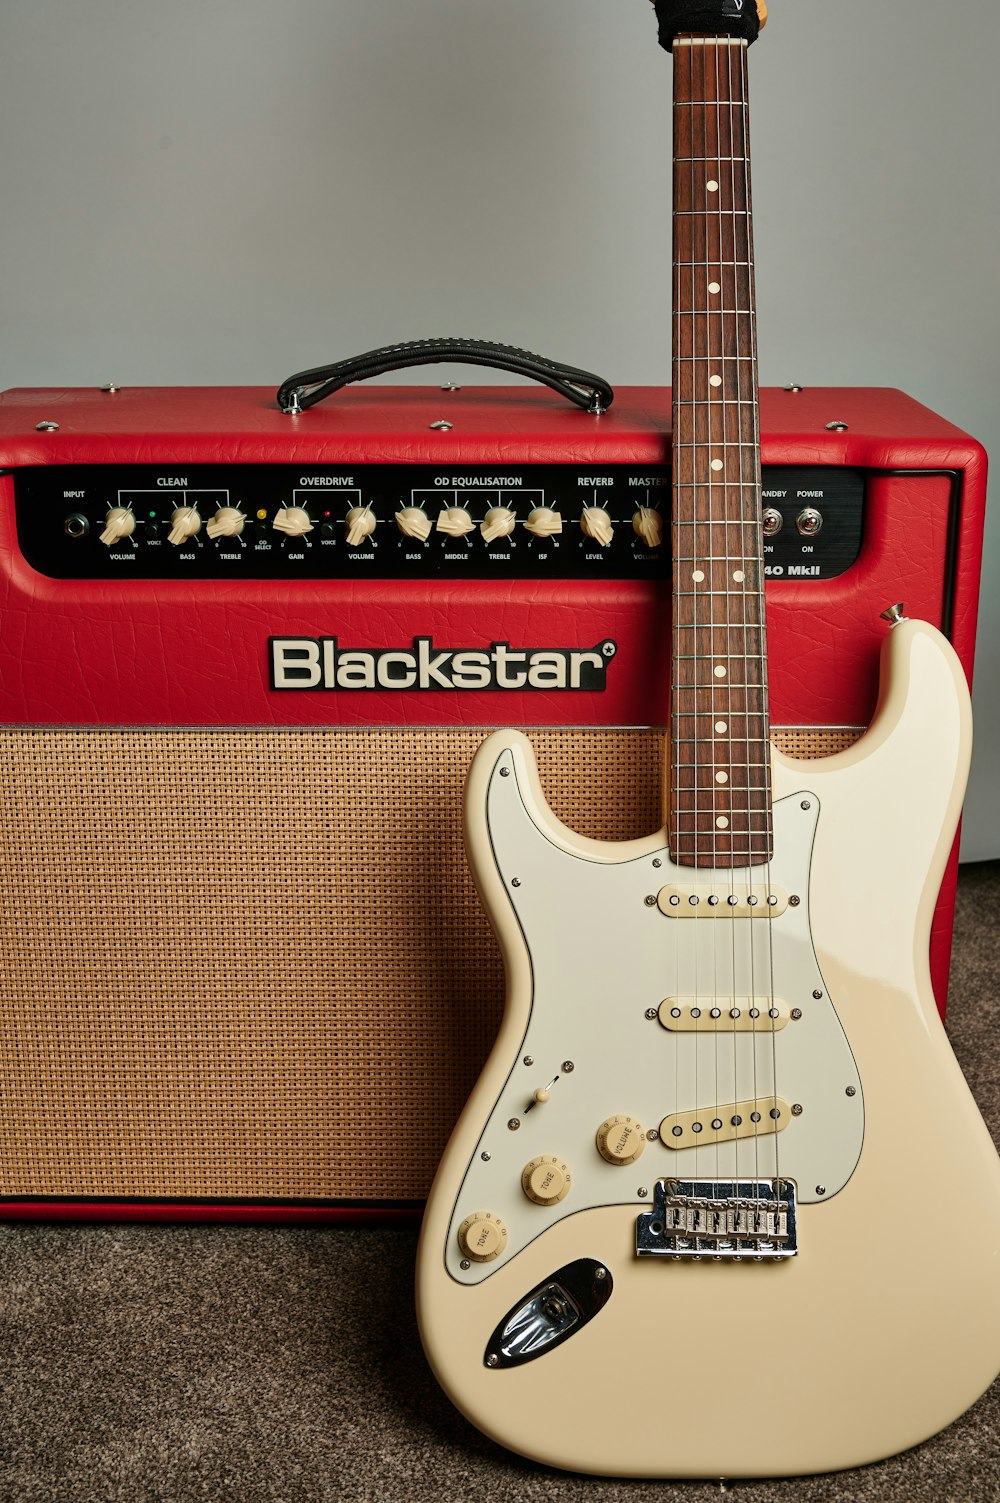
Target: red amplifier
246, 659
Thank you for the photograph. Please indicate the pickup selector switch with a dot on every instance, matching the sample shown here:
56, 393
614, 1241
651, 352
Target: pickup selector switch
482, 1236
228, 522
293, 521
596, 524
185, 521
648, 525
546, 1180
119, 524
620, 1140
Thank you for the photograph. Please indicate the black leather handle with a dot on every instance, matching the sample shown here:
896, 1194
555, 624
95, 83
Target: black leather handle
306, 388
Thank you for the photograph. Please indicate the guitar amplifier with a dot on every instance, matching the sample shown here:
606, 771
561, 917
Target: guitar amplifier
245, 660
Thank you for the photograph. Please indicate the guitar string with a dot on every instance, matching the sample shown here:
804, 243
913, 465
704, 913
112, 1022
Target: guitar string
762, 637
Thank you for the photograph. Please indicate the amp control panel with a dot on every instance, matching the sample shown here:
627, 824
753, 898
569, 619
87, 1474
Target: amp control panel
403, 521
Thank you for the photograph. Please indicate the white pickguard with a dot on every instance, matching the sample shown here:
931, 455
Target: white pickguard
601, 957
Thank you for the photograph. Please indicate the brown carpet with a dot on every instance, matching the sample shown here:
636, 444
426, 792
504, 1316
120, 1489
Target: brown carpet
178, 1363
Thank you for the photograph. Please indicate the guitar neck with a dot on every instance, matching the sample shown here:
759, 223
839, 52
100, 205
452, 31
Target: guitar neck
720, 799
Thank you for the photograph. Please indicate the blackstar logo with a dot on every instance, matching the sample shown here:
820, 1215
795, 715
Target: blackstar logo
321, 663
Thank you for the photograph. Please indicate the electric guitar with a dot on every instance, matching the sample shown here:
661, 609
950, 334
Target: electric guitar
721, 1203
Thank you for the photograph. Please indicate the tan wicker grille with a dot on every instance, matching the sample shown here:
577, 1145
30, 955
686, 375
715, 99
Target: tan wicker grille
251, 964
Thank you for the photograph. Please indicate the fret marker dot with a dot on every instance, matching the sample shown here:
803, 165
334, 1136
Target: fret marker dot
721, 727
698, 576
716, 464
720, 672
712, 185
714, 287
739, 576
722, 823
715, 380
722, 777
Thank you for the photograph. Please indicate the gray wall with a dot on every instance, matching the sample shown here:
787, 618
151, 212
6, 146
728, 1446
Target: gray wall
228, 190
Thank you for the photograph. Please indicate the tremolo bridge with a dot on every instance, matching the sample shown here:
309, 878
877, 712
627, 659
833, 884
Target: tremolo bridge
719, 1219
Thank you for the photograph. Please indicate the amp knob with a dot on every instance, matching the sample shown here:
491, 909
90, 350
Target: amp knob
499, 522
648, 525
620, 1140
185, 521
482, 1236
546, 1180
118, 525
455, 522
596, 524
228, 522
360, 525
544, 522
293, 521
414, 523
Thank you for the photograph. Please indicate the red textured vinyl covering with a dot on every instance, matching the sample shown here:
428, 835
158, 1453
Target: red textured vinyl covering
69, 650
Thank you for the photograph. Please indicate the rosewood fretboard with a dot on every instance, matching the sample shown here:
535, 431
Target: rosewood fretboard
720, 798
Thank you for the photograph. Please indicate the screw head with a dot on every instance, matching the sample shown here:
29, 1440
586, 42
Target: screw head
657, 862
46, 427
850, 1091
485, 1157
450, 386
442, 425
817, 994
642, 1192
652, 1135
111, 386
796, 1110
821, 1189
529, 1059
837, 426
650, 900
515, 881
465, 1264
505, 772
651, 1013
805, 804
514, 1124
796, 1013
794, 900
493, 1360
568, 1066
600, 1273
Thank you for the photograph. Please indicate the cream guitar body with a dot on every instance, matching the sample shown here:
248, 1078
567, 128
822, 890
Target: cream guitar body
620, 1270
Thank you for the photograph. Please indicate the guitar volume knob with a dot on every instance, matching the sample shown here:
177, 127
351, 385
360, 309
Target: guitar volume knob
482, 1236
620, 1140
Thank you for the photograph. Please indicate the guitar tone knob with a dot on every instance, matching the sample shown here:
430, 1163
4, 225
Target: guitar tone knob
185, 522
414, 523
360, 525
620, 1140
228, 522
293, 521
648, 525
119, 524
546, 1180
482, 1237
499, 522
596, 524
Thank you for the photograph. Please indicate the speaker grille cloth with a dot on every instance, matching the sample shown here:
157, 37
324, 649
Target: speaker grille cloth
252, 964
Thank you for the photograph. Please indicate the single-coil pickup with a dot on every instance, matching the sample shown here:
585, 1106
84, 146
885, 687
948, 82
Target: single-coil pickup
723, 1014
756, 900
721, 1124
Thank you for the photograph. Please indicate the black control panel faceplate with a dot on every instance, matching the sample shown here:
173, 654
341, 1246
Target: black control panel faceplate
63, 510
